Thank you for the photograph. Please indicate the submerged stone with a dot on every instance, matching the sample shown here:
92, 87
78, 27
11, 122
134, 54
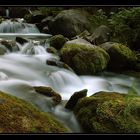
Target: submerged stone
48, 91
74, 98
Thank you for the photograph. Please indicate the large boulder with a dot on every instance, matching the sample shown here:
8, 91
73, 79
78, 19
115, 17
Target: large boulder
121, 57
69, 23
100, 35
109, 112
18, 116
84, 59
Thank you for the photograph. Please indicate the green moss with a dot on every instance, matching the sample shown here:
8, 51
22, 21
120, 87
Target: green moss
122, 53
126, 26
57, 41
106, 112
52, 50
84, 59
90, 62
18, 116
121, 57
68, 51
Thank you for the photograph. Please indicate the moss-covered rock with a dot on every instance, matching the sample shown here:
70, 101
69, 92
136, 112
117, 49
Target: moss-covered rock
48, 91
84, 59
18, 116
51, 50
121, 57
109, 112
57, 41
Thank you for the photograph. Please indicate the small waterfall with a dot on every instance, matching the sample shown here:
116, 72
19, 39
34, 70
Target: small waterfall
7, 13
37, 51
17, 26
30, 48
20, 72
10, 29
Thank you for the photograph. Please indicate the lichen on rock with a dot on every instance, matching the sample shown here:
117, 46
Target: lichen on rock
18, 116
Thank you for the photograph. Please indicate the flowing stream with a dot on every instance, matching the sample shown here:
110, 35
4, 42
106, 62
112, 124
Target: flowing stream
23, 69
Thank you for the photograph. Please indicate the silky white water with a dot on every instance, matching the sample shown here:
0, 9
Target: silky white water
23, 69
20, 72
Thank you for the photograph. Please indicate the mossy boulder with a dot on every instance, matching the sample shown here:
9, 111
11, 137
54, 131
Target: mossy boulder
57, 41
84, 59
121, 57
109, 112
48, 91
18, 116
69, 23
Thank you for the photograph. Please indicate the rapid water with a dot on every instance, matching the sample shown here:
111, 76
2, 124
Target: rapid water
21, 70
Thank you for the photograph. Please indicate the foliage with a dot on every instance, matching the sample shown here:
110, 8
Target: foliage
126, 25
50, 10
99, 18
